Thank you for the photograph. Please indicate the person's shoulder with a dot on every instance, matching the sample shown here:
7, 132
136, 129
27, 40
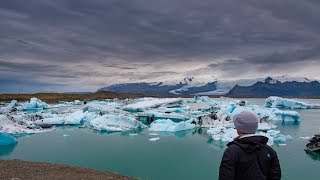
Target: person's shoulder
233, 146
271, 150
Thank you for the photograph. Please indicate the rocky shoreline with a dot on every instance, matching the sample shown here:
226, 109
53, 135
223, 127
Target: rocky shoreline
25, 170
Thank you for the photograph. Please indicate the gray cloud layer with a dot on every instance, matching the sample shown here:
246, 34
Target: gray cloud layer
98, 42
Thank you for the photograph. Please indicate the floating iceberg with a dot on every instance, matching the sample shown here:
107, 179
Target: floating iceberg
150, 116
102, 107
170, 126
11, 126
116, 122
228, 134
221, 133
275, 136
146, 103
51, 120
75, 118
154, 139
275, 114
35, 104
6, 140
278, 102
263, 114
9, 107
264, 126
77, 102
181, 110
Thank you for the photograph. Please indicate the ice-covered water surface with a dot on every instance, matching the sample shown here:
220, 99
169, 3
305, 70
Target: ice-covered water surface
156, 114
84, 145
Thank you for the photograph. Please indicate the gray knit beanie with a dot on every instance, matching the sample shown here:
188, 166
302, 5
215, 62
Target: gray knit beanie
246, 122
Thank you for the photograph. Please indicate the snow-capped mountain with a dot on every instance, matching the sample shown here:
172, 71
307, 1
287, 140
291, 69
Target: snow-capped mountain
297, 87
279, 86
189, 85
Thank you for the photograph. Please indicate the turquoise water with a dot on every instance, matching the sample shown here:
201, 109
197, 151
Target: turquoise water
183, 155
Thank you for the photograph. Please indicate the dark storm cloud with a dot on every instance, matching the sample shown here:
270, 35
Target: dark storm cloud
256, 34
270, 62
81, 29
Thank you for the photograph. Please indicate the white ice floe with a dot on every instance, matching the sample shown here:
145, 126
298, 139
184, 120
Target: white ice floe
102, 107
77, 102
221, 133
34, 104
146, 103
75, 118
278, 102
11, 126
116, 122
228, 134
150, 116
9, 107
154, 139
306, 138
263, 114
170, 126
153, 134
133, 134
51, 120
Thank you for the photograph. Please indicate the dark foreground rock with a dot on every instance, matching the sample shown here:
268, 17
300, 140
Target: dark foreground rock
314, 144
25, 170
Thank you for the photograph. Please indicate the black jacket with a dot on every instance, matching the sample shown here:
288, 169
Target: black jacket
249, 158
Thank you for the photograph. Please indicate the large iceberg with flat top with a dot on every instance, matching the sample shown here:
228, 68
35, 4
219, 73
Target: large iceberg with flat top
278, 102
170, 126
116, 122
146, 103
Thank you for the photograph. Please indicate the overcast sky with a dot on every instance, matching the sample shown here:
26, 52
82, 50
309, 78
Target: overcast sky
82, 45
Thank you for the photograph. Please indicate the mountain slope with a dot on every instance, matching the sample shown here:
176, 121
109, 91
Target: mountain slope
142, 88
188, 86
271, 87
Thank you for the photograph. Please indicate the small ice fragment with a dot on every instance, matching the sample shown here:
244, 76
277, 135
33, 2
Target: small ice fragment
282, 144
66, 135
133, 134
153, 134
307, 137
154, 139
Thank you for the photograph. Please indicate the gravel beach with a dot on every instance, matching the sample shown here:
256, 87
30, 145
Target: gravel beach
25, 170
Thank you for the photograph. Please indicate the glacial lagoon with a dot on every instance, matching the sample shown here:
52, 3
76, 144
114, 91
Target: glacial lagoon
189, 154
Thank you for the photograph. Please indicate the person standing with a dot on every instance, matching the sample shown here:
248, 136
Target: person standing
248, 156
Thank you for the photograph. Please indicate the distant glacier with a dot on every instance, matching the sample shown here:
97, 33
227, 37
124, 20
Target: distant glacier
279, 86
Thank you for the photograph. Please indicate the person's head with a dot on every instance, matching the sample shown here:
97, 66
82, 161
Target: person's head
245, 123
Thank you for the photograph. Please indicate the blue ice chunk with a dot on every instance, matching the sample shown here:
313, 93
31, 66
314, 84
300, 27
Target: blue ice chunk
35, 104
282, 138
6, 140
170, 126
278, 102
